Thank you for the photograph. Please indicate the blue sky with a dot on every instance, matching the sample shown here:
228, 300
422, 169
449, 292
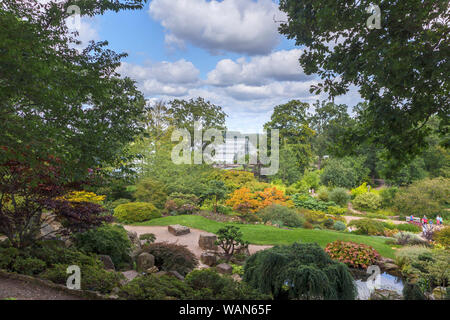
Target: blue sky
229, 52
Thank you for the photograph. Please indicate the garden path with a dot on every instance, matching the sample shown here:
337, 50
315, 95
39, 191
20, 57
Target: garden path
350, 218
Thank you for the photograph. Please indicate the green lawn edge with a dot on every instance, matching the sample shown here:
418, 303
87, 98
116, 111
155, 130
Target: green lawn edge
268, 235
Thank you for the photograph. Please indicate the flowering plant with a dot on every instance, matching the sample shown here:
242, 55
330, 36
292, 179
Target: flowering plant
356, 255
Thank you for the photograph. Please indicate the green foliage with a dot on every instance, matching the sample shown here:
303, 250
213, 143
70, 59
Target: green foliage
136, 212
339, 196
179, 203
359, 190
28, 266
411, 291
171, 256
308, 202
368, 227
147, 237
339, 226
299, 271
408, 227
355, 255
387, 196
345, 172
150, 190
337, 211
367, 201
216, 189
442, 237
118, 202
426, 197
287, 216
404, 238
311, 179
111, 240
230, 240
323, 193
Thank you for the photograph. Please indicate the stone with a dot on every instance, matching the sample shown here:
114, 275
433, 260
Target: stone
134, 238
108, 264
384, 294
153, 269
208, 258
236, 277
175, 274
207, 241
129, 275
178, 230
145, 261
224, 268
390, 266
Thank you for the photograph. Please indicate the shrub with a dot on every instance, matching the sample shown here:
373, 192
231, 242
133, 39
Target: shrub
412, 252
359, 190
345, 172
179, 203
94, 278
426, 197
328, 223
442, 236
152, 191
111, 240
367, 201
84, 196
288, 217
411, 291
136, 212
339, 196
118, 202
147, 237
408, 238
323, 193
171, 256
339, 226
408, 227
308, 225
244, 200
230, 240
337, 211
368, 227
299, 271
28, 266
356, 255
308, 202
387, 196
151, 287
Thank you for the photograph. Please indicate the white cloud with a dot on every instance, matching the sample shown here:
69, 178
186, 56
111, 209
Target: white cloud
163, 78
242, 26
279, 66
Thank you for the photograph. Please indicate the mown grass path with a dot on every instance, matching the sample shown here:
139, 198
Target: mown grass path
267, 235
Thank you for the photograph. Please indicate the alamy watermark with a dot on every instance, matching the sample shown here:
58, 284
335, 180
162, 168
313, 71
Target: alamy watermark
74, 280
213, 146
374, 21
73, 22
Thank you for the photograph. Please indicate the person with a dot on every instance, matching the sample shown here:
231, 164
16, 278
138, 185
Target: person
437, 220
411, 218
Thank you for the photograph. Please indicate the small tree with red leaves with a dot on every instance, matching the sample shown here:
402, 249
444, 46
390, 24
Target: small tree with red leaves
31, 199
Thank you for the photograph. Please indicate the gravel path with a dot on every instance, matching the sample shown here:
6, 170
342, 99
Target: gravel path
350, 218
190, 240
22, 290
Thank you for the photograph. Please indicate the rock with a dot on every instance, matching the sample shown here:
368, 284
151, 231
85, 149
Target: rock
161, 273
129, 275
178, 230
242, 250
134, 238
224, 268
207, 241
175, 274
208, 258
115, 290
390, 266
145, 261
108, 264
236, 277
439, 293
384, 294
153, 269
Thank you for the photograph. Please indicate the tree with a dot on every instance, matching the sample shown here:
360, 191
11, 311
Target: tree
59, 100
401, 69
216, 189
230, 240
299, 271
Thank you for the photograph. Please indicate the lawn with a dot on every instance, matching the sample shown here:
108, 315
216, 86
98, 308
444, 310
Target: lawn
267, 235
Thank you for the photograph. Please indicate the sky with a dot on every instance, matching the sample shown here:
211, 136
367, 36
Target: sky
228, 52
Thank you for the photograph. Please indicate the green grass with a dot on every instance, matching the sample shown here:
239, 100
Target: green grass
267, 235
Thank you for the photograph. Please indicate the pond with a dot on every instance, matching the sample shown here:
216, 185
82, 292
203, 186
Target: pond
387, 282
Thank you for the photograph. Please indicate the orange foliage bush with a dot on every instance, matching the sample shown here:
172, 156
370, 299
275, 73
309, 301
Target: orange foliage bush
245, 201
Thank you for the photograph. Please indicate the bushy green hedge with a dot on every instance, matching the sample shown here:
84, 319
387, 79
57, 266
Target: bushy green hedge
136, 212
339, 226
308, 202
368, 227
152, 191
111, 240
339, 196
408, 227
288, 217
367, 201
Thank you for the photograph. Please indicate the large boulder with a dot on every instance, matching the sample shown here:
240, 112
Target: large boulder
145, 261
208, 258
207, 241
178, 230
224, 268
129, 275
134, 238
108, 264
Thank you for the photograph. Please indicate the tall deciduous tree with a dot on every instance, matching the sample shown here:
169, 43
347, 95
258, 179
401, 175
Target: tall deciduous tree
401, 69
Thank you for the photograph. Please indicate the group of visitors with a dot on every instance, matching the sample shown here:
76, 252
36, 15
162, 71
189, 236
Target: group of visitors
427, 224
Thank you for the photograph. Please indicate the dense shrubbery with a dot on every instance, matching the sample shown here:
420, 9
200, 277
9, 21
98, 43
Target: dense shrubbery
171, 256
152, 191
387, 196
346, 172
339, 226
408, 238
356, 255
442, 237
299, 271
308, 202
408, 227
111, 240
359, 190
337, 211
339, 196
136, 212
287, 216
426, 197
367, 201
179, 203
368, 227
244, 200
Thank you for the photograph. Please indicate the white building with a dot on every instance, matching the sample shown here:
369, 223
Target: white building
237, 149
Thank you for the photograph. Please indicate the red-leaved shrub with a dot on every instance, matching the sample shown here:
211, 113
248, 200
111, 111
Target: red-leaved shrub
356, 255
